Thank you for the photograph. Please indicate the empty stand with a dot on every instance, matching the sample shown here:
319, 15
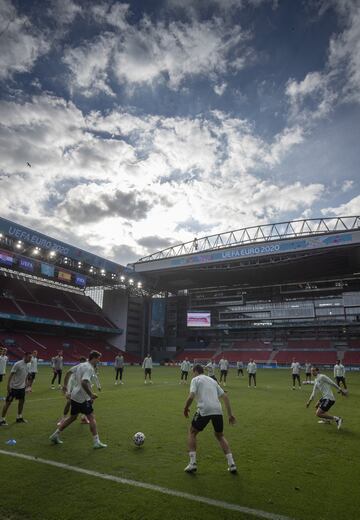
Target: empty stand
18, 297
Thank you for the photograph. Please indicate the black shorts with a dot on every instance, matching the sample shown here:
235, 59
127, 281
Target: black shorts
308, 374
148, 371
326, 404
199, 422
223, 372
340, 379
84, 408
32, 376
1, 377
16, 393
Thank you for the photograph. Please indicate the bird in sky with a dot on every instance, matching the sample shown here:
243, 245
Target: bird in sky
28, 164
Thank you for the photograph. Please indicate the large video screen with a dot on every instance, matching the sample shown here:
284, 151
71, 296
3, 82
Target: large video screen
198, 319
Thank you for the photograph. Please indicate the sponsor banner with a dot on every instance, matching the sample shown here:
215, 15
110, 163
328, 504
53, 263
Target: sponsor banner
18, 232
27, 264
255, 249
80, 280
6, 259
47, 270
62, 275
198, 319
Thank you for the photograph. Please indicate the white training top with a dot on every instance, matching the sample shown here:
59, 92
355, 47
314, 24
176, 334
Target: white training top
307, 368
295, 367
210, 367
185, 366
323, 384
20, 370
207, 392
119, 362
223, 364
58, 362
339, 370
147, 363
251, 368
33, 365
83, 372
239, 364
3, 361
72, 380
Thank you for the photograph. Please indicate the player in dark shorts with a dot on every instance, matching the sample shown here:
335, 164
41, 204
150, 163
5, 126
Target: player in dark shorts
207, 392
82, 398
323, 384
18, 380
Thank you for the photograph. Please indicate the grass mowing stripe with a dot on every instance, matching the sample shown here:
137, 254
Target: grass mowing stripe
152, 487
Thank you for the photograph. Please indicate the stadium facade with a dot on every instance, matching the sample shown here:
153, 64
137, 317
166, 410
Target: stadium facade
269, 292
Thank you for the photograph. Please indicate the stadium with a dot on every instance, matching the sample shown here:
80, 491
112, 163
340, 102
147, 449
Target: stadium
270, 293
179, 259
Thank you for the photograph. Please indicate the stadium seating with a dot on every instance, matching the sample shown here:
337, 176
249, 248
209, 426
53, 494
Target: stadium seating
18, 297
352, 357
49, 345
321, 357
243, 355
194, 354
308, 343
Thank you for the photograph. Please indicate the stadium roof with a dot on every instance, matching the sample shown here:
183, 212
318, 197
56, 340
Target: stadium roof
300, 250
29, 252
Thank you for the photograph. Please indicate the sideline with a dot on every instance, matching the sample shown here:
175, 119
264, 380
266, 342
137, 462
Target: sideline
135, 483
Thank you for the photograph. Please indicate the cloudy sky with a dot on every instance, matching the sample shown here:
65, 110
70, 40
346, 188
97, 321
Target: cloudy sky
148, 123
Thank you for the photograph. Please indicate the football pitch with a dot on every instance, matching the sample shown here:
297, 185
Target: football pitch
288, 465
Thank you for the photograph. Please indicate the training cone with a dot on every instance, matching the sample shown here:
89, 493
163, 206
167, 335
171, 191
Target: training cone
11, 442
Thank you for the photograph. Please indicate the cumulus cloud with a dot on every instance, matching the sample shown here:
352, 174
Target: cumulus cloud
352, 207
149, 52
220, 89
155, 242
64, 11
21, 43
121, 177
318, 94
91, 203
347, 185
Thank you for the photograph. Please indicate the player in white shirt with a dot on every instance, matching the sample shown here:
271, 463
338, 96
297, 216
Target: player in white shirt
3, 362
307, 372
224, 366
69, 383
17, 382
251, 370
295, 373
119, 368
323, 384
184, 367
147, 366
240, 368
339, 374
33, 368
82, 398
207, 393
57, 364
210, 368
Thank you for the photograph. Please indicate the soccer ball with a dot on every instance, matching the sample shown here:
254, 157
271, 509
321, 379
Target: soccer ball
139, 439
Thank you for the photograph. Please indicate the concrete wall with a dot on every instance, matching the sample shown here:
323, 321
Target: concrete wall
115, 306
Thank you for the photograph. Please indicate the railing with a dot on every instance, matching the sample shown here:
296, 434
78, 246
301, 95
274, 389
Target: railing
262, 233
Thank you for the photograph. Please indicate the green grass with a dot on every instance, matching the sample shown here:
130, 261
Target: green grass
288, 463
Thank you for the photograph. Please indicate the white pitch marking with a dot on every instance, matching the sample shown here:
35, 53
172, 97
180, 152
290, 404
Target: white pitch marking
153, 487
